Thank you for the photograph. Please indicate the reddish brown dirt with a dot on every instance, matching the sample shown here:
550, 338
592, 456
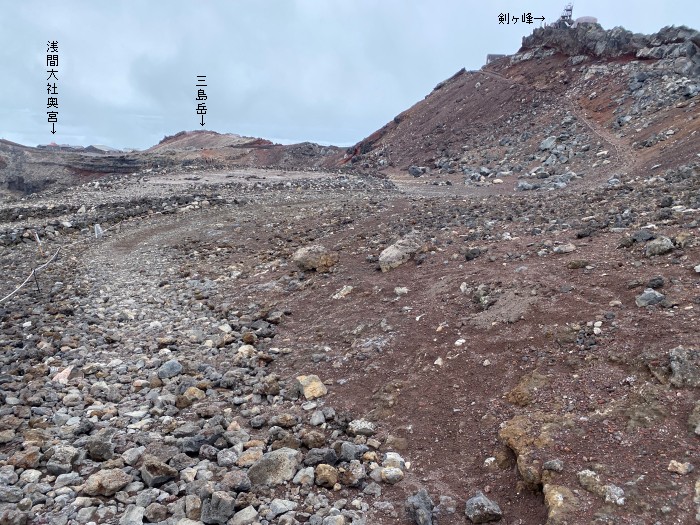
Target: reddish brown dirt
378, 348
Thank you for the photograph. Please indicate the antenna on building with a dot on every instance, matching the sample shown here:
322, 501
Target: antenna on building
567, 17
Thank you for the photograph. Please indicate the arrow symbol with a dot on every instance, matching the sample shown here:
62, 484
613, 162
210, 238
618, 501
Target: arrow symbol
53, 128
539, 18
202, 124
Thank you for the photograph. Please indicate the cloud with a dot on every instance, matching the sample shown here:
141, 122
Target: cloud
324, 70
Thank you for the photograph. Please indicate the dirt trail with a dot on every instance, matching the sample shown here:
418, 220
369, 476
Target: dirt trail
625, 160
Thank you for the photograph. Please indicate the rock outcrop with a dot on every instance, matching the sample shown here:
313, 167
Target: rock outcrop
680, 45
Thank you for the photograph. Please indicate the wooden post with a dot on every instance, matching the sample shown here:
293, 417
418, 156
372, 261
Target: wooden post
36, 280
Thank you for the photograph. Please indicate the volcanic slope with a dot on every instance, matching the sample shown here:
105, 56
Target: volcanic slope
535, 340
559, 111
27, 170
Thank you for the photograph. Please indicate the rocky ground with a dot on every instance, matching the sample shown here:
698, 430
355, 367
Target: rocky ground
248, 346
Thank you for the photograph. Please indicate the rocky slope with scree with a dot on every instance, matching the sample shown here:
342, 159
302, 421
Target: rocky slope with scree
407, 341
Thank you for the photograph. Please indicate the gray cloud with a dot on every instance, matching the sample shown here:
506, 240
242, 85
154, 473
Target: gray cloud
323, 70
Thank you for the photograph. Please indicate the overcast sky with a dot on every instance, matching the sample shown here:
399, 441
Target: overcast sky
329, 71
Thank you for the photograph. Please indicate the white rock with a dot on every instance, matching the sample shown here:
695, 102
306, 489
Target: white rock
680, 468
565, 248
343, 292
398, 253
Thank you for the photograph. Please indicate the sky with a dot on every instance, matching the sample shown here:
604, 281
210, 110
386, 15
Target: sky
326, 71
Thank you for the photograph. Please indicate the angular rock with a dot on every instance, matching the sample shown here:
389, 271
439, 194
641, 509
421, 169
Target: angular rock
320, 455
317, 418
65, 480
219, 508
679, 467
247, 516
190, 396
416, 171
326, 476
310, 386
316, 258
548, 143
29, 458
249, 457
133, 455
169, 369
13, 516
555, 465
100, 446
565, 248
8, 476
420, 508
284, 420
156, 513
154, 472
649, 297
304, 477
352, 474
643, 236
236, 481
280, 506
226, 457
392, 459
590, 481
361, 427
62, 459
350, 451
398, 253
133, 515
685, 367
193, 507
561, 504
658, 246
275, 467
192, 444
10, 494
480, 509
614, 494
106, 482
338, 519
